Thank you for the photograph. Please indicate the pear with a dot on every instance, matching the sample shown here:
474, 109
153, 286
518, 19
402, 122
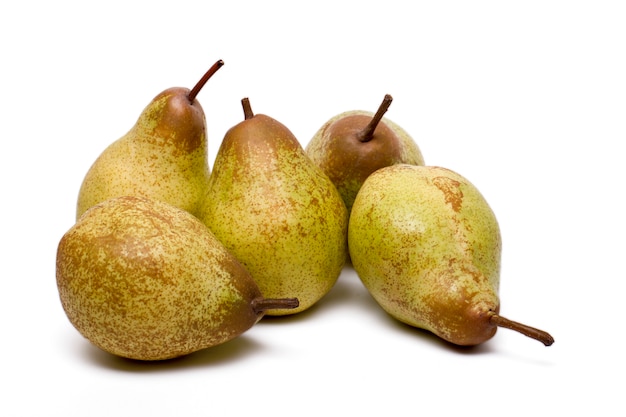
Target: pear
164, 156
427, 246
353, 144
145, 280
276, 211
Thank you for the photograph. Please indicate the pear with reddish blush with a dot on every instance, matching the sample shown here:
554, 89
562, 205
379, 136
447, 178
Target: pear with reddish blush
352, 145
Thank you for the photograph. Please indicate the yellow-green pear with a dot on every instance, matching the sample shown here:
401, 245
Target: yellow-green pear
164, 156
353, 144
427, 246
145, 280
277, 212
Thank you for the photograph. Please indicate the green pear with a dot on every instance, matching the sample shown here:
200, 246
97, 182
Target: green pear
164, 156
353, 144
276, 211
145, 280
427, 246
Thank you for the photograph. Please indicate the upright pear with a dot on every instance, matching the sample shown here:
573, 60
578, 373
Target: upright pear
353, 144
145, 280
277, 212
427, 246
164, 156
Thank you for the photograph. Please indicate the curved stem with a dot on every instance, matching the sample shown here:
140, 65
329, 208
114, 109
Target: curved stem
536, 334
368, 133
247, 108
196, 89
260, 305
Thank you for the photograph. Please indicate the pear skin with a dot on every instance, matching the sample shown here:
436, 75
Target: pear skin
353, 144
427, 246
276, 211
145, 280
164, 156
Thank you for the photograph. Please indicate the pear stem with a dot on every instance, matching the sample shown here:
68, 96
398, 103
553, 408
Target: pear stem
247, 108
196, 89
368, 133
260, 305
536, 334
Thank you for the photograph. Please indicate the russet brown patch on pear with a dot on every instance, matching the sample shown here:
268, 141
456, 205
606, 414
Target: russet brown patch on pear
451, 190
352, 145
179, 123
360, 158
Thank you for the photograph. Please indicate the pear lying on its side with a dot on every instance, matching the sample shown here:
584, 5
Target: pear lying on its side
145, 280
164, 156
427, 246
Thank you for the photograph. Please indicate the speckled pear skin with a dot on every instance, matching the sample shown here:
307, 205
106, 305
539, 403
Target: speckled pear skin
164, 157
277, 212
427, 246
145, 280
336, 149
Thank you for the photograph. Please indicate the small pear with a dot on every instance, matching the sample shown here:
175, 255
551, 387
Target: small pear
352, 145
164, 156
145, 280
427, 246
277, 212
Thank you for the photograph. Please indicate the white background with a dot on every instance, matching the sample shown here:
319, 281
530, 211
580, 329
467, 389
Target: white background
525, 99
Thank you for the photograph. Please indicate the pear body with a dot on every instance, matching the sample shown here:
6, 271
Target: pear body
348, 161
277, 212
164, 156
146, 280
427, 246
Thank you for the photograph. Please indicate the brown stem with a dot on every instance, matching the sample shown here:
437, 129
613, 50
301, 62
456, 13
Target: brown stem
247, 108
368, 133
196, 89
260, 305
536, 334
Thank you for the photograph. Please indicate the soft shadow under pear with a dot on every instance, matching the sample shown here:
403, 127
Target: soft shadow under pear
223, 354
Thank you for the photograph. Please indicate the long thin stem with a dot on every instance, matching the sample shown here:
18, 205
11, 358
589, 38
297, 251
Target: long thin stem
368, 133
196, 89
536, 334
259, 305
